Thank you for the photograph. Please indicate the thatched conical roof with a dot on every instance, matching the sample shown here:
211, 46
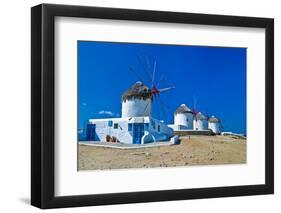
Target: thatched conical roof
183, 109
200, 116
138, 91
213, 119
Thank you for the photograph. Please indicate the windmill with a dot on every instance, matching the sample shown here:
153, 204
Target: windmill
214, 124
200, 121
153, 91
219, 118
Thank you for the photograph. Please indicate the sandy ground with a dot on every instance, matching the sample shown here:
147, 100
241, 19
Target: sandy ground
198, 150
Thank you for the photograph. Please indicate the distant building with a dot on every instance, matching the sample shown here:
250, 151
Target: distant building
214, 124
191, 122
183, 118
200, 122
136, 126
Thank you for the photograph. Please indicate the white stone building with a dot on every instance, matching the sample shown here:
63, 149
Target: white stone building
200, 122
183, 119
214, 124
136, 126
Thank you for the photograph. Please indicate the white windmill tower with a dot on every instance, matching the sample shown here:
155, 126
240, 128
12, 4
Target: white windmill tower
200, 122
214, 124
183, 117
136, 101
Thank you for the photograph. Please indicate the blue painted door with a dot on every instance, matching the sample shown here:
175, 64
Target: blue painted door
91, 132
138, 131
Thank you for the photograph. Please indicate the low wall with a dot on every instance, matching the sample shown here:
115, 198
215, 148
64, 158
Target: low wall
195, 132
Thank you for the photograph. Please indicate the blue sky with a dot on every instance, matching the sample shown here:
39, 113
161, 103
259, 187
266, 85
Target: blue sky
212, 78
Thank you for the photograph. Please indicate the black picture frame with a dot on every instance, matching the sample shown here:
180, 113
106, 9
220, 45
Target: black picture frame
43, 102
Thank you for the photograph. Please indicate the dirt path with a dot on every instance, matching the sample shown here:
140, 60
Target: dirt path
198, 150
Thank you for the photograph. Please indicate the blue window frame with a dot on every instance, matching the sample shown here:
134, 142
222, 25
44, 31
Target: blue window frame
110, 123
91, 132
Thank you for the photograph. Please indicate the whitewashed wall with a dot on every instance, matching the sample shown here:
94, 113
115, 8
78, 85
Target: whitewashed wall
136, 108
103, 129
215, 127
165, 131
184, 119
151, 134
200, 124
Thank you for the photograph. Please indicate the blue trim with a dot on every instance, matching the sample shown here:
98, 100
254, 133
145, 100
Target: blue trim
91, 132
138, 132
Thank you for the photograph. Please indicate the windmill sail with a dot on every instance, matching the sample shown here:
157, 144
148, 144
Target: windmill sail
153, 91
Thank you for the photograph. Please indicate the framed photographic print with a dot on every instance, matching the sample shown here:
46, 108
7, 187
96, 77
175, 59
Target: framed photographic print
139, 106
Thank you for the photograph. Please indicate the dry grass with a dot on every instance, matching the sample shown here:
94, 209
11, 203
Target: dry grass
198, 150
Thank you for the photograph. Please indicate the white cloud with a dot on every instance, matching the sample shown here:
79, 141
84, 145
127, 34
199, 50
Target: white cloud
104, 112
